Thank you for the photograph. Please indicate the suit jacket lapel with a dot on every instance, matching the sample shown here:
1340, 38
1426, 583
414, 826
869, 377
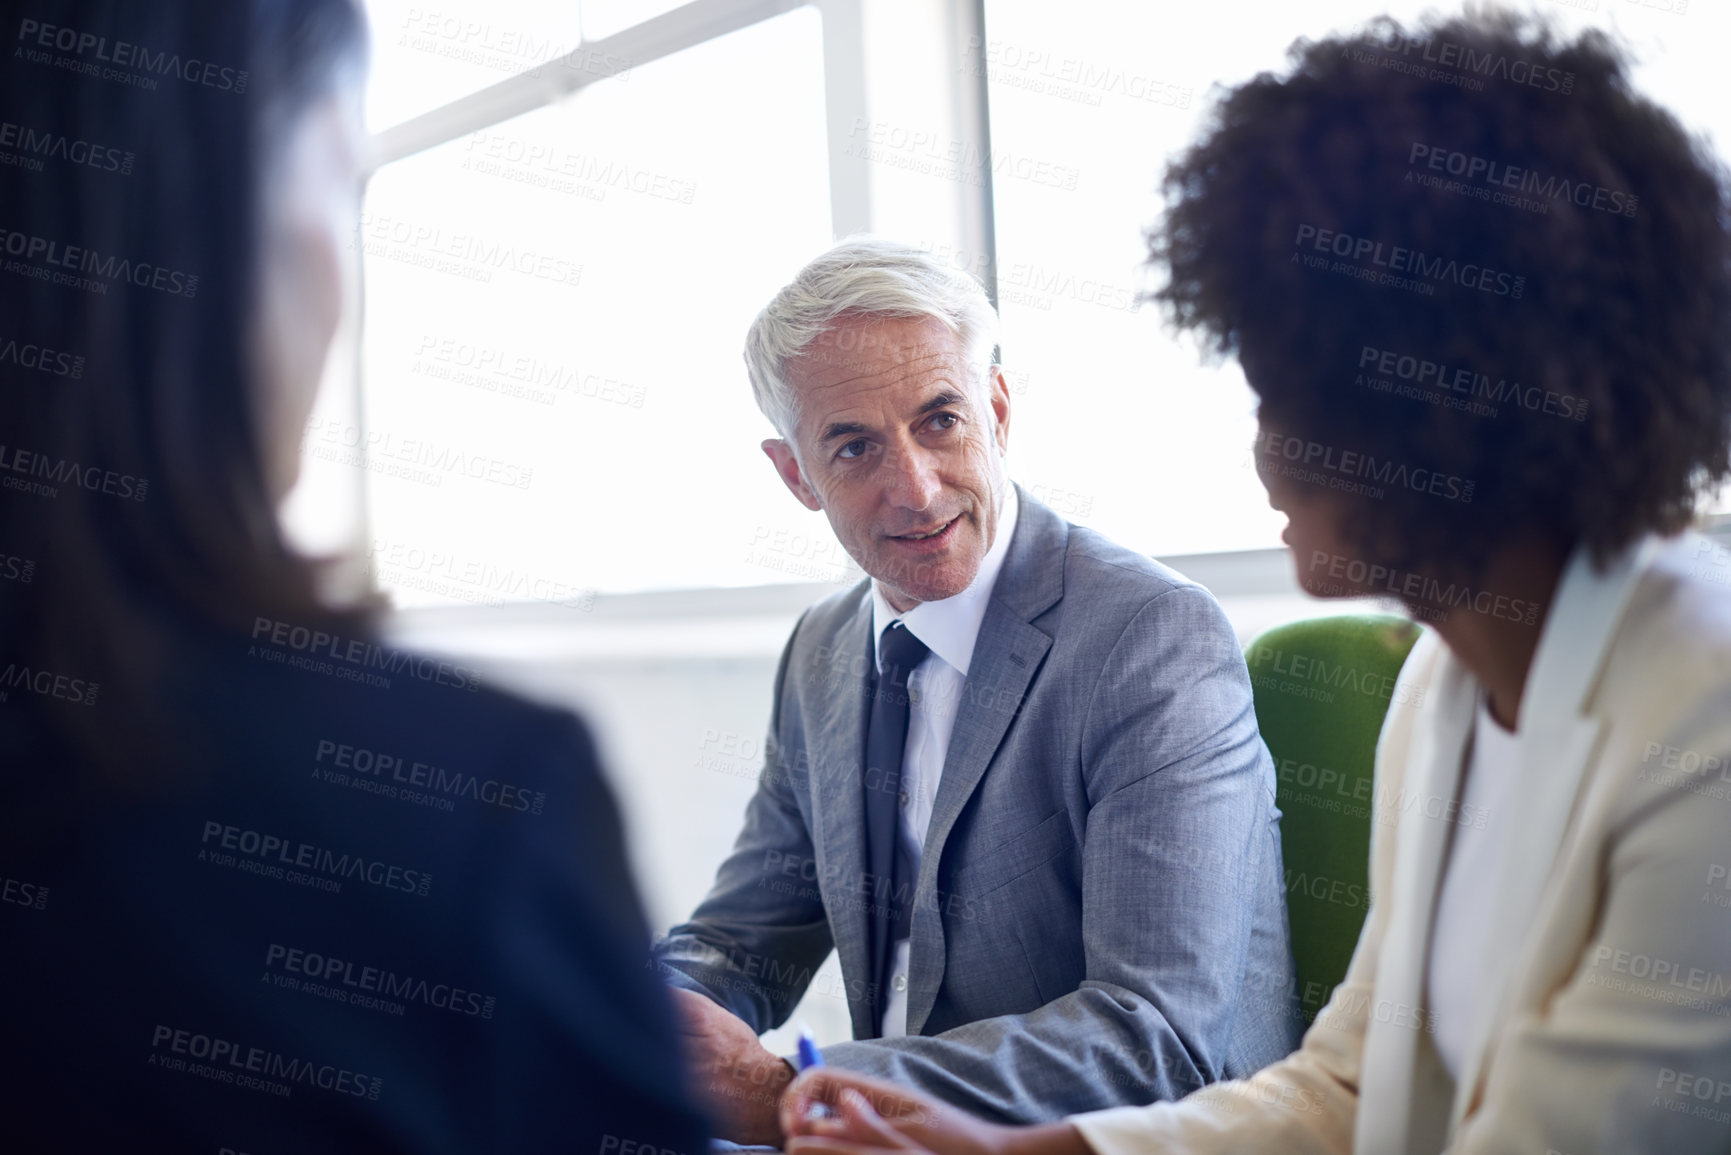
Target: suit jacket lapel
1558, 741
1007, 654
838, 800
1392, 1097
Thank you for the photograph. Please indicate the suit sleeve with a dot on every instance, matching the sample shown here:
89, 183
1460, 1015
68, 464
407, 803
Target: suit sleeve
1307, 1103
585, 1046
1176, 859
760, 934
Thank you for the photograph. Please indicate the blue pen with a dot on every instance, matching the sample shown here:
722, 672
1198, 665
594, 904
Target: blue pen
809, 1059
808, 1054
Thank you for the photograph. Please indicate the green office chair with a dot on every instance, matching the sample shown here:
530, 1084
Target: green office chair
1322, 687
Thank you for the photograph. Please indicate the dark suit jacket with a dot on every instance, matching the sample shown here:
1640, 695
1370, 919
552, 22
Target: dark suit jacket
1100, 917
358, 919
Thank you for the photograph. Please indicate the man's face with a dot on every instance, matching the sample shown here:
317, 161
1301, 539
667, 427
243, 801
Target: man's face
903, 449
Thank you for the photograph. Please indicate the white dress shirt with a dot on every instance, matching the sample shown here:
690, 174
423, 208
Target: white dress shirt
948, 628
1458, 975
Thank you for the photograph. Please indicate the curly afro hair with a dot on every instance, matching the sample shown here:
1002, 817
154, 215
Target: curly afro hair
1470, 250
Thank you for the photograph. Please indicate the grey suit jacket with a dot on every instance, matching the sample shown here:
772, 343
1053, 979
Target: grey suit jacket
1099, 916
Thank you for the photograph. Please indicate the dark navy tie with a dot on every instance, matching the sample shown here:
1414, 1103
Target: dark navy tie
888, 863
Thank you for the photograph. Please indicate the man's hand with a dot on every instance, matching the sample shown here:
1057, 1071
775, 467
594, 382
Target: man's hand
736, 1076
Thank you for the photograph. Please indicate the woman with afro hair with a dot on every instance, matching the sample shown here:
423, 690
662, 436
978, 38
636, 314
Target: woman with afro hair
1482, 290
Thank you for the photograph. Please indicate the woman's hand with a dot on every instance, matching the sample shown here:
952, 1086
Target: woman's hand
833, 1112
868, 1117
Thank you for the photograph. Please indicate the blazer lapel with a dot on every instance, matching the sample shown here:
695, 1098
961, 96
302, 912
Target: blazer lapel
1558, 741
1007, 654
1393, 1098
838, 801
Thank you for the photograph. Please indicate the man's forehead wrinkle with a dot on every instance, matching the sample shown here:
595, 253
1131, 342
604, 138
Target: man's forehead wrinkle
829, 350
849, 370
859, 398
849, 407
883, 378
840, 374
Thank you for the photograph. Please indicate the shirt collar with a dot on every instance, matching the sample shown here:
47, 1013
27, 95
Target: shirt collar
950, 627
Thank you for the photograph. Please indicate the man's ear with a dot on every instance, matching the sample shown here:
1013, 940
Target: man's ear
998, 397
787, 468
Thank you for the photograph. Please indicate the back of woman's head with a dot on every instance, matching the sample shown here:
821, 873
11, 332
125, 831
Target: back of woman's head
1470, 270
135, 507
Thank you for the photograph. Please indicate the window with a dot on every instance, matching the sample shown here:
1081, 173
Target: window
427, 55
554, 401
1118, 425
555, 309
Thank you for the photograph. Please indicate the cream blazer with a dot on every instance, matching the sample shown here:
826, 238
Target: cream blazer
1611, 1030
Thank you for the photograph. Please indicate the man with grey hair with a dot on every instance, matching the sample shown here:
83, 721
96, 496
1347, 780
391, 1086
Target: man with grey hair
1013, 779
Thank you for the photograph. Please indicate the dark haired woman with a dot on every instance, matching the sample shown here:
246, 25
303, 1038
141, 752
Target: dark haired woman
269, 884
1483, 292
